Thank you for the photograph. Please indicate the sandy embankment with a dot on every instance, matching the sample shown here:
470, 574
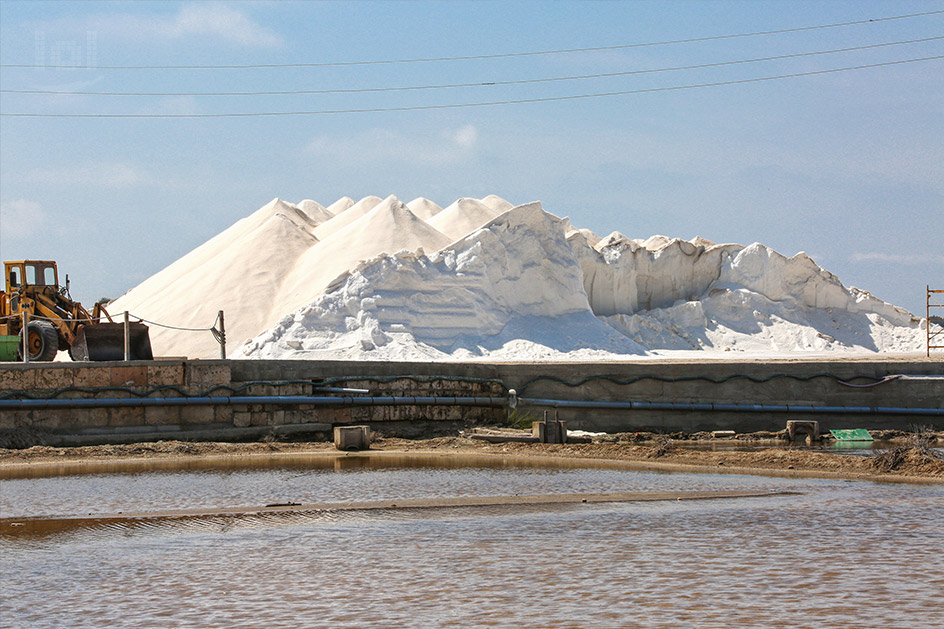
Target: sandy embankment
900, 462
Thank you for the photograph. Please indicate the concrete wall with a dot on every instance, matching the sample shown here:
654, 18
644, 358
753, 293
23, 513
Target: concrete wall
684, 381
224, 421
799, 385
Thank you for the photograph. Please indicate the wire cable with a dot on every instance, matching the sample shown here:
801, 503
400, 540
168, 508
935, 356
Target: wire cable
545, 99
492, 56
481, 83
874, 381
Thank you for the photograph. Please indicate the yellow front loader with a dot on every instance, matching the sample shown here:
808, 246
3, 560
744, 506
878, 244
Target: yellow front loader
55, 322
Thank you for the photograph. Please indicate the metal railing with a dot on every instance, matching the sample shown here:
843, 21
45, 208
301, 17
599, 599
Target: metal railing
935, 320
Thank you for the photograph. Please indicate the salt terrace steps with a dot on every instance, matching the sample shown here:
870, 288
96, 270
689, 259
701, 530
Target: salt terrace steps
377, 279
388, 227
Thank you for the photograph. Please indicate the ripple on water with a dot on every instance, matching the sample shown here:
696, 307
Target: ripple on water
840, 554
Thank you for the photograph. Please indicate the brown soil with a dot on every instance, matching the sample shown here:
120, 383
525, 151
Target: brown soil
901, 463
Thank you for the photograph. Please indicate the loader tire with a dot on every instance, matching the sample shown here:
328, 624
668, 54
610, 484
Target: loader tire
43, 341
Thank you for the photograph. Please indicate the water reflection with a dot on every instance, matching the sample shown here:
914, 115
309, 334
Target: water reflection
841, 554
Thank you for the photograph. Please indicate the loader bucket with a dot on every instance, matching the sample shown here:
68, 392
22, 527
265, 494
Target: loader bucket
106, 341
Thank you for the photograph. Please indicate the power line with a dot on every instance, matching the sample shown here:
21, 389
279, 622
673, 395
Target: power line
478, 84
482, 57
482, 104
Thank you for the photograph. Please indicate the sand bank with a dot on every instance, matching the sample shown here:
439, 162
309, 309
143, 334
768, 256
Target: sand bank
911, 465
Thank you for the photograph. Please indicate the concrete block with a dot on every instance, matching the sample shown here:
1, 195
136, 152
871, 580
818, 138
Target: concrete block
132, 376
197, 414
76, 419
165, 374
162, 415
807, 427
92, 377
295, 389
242, 419
352, 437
550, 431
126, 416
207, 375
223, 413
17, 419
53, 378
14, 419
17, 379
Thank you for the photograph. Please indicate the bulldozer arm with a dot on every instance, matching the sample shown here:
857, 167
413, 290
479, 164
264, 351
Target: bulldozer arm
106, 341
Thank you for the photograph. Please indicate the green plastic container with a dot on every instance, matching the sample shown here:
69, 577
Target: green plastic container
855, 434
8, 348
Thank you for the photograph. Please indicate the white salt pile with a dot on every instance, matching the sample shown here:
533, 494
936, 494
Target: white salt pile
462, 217
480, 279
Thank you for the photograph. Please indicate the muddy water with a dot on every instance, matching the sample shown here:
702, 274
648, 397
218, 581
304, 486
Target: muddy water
840, 554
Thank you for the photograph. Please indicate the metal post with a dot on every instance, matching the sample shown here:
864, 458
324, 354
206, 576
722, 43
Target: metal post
127, 338
222, 337
25, 336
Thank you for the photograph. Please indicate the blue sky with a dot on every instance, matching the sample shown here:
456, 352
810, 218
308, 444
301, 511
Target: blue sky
846, 166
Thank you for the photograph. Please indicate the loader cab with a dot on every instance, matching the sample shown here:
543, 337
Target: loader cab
23, 273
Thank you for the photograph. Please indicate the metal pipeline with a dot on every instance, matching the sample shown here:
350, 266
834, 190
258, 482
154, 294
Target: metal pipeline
727, 408
257, 399
480, 401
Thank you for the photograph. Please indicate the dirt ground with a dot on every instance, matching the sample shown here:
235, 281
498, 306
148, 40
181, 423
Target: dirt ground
906, 458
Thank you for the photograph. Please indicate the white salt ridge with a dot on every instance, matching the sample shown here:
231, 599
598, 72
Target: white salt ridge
235, 271
661, 293
462, 217
346, 217
341, 205
497, 204
388, 227
513, 288
424, 208
515, 284
315, 211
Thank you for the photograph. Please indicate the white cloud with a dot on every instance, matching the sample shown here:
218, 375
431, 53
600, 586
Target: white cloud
20, 218
897, 258
220, 20
102, 175
215, 20
377, 145
466, 136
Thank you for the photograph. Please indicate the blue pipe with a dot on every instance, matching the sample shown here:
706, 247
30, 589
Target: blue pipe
724, 407
257, 399
38, 404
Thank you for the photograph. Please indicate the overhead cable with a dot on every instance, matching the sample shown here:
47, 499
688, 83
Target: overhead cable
481, 57
480, 83
480, 104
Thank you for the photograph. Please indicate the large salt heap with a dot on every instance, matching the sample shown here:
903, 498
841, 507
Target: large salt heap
377, 279
462, 217
389, 226
236, 271
511, 288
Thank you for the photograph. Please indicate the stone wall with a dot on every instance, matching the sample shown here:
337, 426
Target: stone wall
796, 382
227, 419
